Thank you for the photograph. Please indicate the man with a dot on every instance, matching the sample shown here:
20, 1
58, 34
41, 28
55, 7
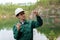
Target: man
23, 30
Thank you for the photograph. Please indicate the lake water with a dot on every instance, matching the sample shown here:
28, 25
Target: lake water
8, 35
38, 36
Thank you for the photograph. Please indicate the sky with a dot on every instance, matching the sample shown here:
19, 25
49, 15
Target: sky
17, 1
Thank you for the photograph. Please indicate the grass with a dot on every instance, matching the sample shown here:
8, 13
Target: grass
8, 10
10, 20
7, 22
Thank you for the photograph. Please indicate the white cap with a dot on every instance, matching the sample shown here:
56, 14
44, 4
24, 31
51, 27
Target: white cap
18, 10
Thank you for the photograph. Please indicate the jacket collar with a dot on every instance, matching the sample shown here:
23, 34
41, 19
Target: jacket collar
25, 22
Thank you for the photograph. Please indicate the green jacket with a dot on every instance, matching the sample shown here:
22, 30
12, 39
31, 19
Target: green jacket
26, 29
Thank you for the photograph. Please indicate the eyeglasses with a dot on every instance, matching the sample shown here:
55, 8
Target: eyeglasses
21, 13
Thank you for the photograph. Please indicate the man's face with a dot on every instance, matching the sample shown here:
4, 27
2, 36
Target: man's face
21, 16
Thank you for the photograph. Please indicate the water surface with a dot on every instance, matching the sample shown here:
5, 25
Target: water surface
8, 35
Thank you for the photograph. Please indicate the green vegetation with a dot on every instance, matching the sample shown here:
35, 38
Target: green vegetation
7, 18
7, 15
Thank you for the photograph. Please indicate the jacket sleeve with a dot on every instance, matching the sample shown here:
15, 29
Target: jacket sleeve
16, 33
38, 22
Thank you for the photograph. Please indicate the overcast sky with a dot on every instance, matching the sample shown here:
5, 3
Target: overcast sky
17, 1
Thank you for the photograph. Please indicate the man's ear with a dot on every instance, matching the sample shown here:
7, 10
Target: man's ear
18, 17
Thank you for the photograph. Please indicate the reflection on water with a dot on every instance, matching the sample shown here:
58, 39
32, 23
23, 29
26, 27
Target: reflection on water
58, 38
38, 35
8, 35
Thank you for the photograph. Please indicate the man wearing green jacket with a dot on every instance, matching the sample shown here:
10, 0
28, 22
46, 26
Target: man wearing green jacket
23, 30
